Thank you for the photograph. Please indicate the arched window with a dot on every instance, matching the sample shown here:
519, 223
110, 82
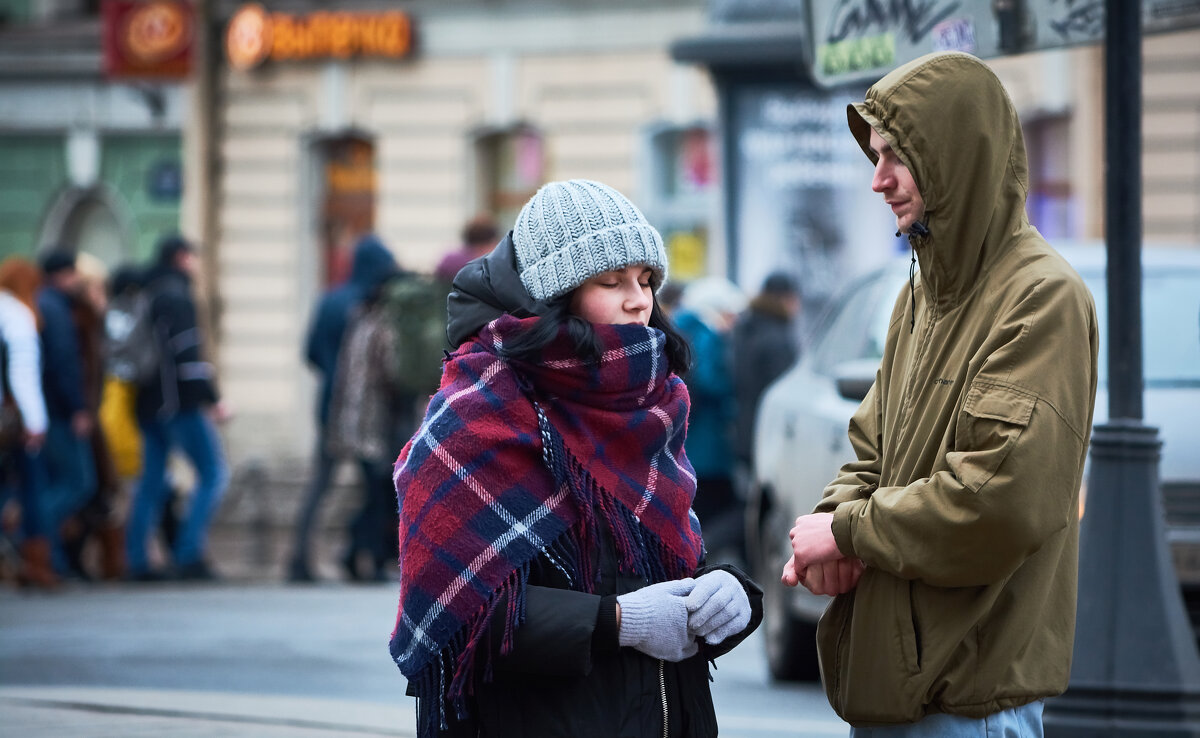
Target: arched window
94, 220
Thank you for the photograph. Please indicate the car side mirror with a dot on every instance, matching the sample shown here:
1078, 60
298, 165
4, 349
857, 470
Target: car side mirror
853, 379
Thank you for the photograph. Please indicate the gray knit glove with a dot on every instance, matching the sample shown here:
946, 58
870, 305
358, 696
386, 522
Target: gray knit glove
718, 607
654, 620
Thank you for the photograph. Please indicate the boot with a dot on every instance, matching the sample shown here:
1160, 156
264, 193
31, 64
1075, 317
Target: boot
112, 551
36, 569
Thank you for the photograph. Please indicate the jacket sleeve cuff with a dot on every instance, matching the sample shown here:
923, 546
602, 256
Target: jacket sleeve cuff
844, 517
606, 635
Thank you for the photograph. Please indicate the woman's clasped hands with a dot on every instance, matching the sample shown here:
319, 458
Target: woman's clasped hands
664, 620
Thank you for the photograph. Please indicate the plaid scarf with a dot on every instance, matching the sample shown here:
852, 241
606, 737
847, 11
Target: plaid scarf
517, 459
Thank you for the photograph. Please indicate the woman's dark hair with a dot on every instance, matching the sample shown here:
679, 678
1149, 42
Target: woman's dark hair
558, 311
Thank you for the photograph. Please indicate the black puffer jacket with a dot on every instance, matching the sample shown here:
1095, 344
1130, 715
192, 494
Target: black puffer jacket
567, 677
186, 380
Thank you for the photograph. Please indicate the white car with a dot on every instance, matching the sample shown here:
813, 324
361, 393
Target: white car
801, 442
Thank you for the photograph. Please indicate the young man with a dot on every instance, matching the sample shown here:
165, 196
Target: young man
179, 408
951, 541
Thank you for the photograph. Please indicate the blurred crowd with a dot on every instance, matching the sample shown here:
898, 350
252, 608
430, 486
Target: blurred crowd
102, 377
104, 380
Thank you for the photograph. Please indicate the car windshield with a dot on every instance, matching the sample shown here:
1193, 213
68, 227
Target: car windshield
1170, 326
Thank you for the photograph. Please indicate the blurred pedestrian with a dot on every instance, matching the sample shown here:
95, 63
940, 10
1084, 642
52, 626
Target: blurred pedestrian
95, 526
370, 417
372, 263
705, 316
763, 346
177, 409
549, 476
23, 419
70, 467
951, 542
479, 236
118, 405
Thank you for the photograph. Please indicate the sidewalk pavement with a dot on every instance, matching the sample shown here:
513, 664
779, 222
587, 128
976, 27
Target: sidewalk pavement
51, 712
37, 712
191, 661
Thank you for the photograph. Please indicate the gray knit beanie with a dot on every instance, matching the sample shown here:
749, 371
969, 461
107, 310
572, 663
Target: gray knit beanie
571, 231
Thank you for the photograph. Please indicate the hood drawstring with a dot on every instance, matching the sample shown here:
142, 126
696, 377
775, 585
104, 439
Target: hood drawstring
918, 229
912, 289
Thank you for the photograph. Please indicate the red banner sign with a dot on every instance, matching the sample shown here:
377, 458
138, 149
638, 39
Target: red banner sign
148, 38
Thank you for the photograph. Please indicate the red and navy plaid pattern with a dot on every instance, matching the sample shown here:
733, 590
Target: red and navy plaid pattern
515, 459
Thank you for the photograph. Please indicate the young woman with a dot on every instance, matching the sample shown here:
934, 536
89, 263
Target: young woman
551, 567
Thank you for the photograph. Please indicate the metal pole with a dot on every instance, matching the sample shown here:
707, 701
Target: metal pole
1136, 670
1123, 204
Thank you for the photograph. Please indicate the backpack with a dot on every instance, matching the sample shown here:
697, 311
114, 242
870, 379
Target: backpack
415, 305
132, 352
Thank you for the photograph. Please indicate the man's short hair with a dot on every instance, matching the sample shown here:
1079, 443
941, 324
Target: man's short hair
171, 246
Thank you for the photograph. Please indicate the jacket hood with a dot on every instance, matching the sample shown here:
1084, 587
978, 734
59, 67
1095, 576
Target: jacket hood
485, 289
949, 119
373, 263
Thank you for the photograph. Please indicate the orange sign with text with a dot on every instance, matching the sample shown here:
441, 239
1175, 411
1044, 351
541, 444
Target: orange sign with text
255, 35
148, 38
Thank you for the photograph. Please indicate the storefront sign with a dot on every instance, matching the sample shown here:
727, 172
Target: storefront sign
859, 41
148, 38
255, 35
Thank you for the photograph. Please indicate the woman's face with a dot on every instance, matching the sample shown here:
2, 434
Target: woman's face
622, 296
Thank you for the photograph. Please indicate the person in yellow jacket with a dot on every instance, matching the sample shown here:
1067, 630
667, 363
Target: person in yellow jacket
951, 541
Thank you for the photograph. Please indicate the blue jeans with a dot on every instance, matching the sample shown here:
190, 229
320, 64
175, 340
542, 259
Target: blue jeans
70, 480
24, 477
1017, 722
195, 435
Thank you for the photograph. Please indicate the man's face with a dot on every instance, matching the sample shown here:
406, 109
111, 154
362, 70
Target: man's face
67, 280
187, 262
896, 184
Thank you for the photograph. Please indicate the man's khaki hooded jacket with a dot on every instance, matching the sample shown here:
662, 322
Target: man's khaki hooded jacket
964, 501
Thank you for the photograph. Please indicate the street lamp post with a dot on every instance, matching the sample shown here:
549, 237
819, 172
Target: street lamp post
1136, 670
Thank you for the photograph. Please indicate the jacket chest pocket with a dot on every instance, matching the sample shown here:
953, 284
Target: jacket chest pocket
990, 423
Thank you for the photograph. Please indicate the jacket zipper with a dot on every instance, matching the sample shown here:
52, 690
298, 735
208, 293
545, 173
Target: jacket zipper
662, 690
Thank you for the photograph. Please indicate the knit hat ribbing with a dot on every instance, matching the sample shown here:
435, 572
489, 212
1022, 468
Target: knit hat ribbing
571, 231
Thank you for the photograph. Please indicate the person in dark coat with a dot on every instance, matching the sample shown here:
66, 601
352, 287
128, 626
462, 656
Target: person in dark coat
549, 477
67, 454
372, 265
763, 346
177, 409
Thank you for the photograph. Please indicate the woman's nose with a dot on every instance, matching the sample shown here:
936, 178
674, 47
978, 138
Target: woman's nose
639, 300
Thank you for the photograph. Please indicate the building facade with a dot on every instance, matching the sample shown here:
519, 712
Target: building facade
493, 100
86, 161
489, 103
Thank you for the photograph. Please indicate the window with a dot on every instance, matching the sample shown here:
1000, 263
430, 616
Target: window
1049, 201
347, 201
511, 167
682, 184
